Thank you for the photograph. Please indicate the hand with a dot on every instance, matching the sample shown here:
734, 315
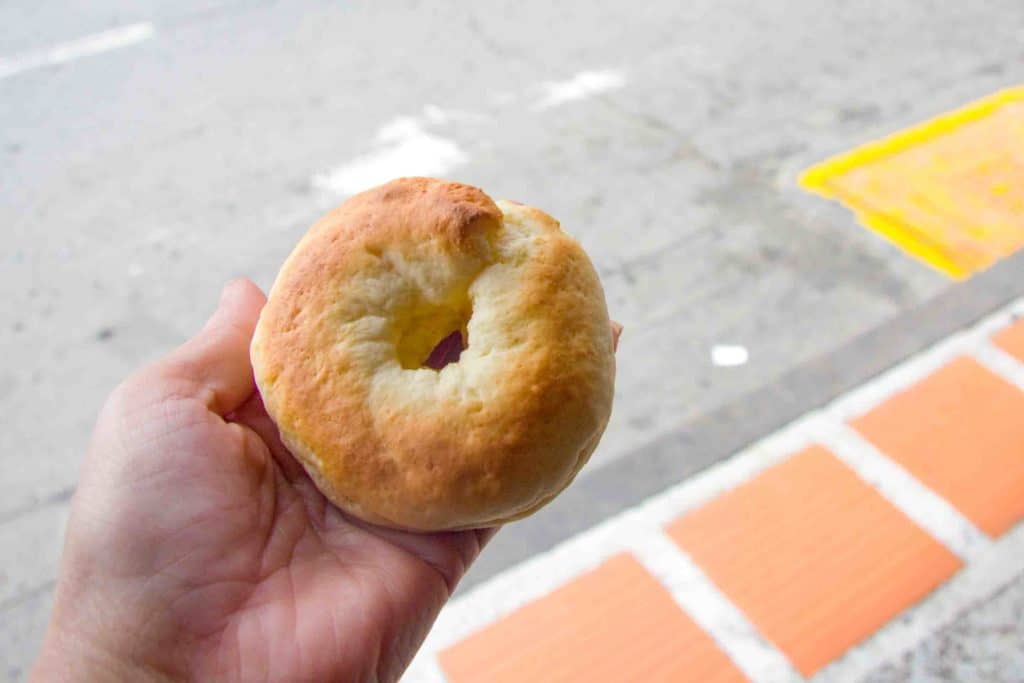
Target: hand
199, 549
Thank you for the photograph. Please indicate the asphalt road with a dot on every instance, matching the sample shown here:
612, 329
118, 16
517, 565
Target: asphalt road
197, 141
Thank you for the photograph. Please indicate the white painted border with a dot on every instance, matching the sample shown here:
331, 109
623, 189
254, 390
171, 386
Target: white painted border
1001, 363
94, 44
860, 400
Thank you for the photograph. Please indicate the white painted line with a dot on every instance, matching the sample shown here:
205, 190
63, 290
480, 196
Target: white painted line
728, 474
928, 509
76, 49
435, 115
860, 400
999, 319
864, 398
708, 606
424, 668
407, 145
1001, 363
984, 576
404, 148
579, 87
517, 586
528, 581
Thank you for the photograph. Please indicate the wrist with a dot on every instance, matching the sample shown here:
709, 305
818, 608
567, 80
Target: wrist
71, 657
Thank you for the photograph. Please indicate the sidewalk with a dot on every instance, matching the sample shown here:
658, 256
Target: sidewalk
824, 552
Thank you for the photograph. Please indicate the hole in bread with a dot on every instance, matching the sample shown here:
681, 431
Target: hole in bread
447, 351
433, 337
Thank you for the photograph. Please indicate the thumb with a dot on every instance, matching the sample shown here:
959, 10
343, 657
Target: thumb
214, 365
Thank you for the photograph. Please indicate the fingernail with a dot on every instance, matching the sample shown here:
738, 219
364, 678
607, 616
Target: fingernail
616, 333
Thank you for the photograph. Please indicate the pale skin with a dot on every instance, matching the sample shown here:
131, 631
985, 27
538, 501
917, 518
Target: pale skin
198, 548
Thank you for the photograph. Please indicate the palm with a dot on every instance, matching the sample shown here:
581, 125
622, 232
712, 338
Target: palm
324, 590
241, 568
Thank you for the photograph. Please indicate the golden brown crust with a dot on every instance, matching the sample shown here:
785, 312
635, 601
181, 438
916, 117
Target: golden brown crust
358, 306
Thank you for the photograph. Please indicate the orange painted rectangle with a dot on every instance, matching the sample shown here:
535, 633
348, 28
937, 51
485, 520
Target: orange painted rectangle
615, 623
815, 557
961, 432
1011, 340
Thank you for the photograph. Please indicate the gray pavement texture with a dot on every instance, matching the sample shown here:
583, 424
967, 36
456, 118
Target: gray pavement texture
134, 183
983, 645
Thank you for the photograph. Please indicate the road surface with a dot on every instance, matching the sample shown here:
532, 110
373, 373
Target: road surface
150, 151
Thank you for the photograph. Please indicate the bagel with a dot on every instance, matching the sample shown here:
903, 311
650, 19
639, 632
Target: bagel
436, 360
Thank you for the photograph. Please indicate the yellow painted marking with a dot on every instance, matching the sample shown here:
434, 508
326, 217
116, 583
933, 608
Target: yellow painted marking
949, 191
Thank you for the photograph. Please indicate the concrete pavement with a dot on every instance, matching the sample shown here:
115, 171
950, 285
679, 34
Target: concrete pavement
134, 182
